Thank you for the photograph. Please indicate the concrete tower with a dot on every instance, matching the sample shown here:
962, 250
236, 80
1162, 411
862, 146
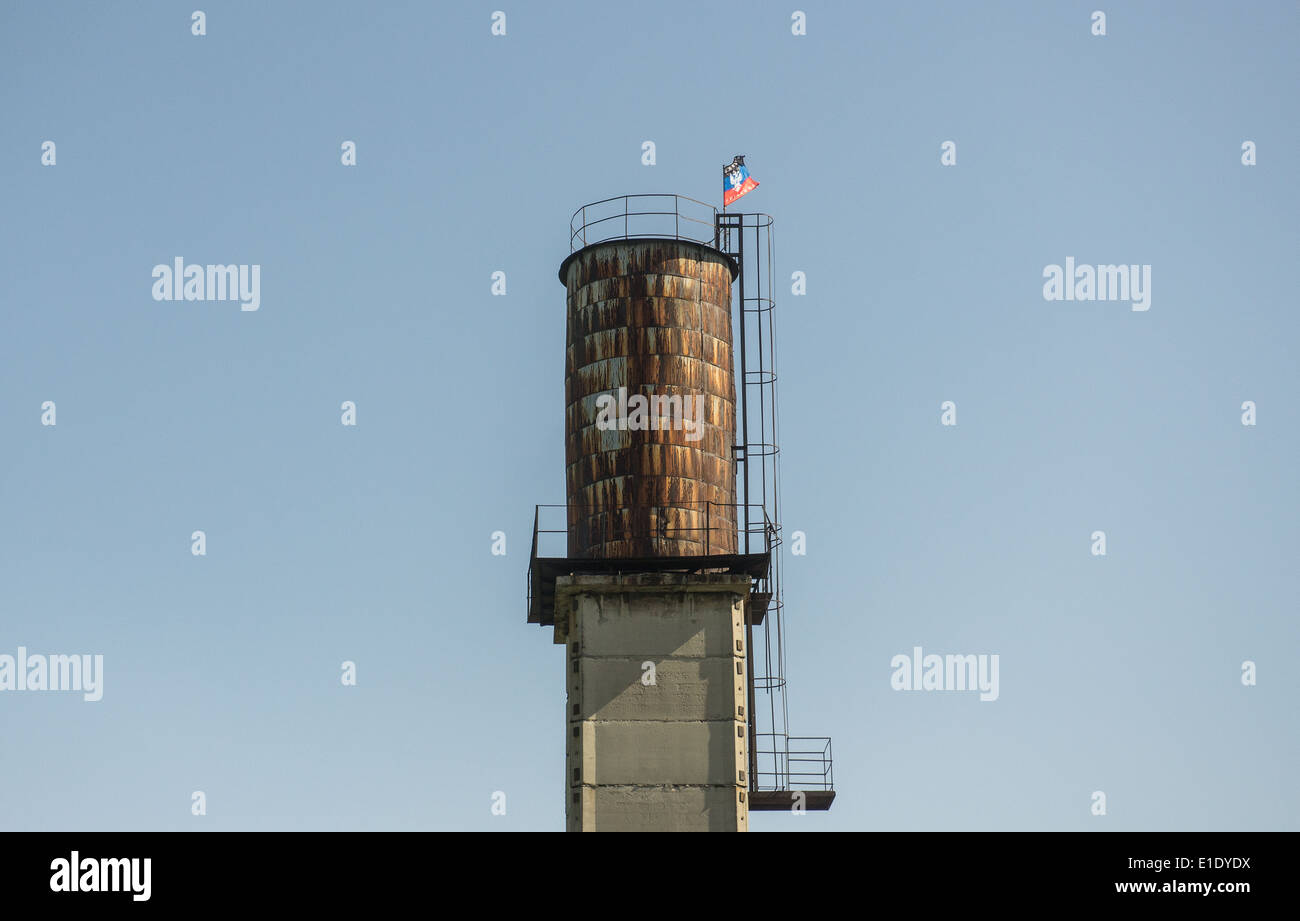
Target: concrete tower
650, 600
655, 597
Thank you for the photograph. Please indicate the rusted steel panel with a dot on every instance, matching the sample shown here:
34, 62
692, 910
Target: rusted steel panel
650, 318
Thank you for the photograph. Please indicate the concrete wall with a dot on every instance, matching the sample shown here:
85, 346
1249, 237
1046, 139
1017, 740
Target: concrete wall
671, 755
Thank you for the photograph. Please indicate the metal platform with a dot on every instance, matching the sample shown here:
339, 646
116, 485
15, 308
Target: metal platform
785, 800
551, 547
543, 571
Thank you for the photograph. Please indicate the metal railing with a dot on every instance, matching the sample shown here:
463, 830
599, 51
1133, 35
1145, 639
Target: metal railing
794, 763
551, 522
630, 217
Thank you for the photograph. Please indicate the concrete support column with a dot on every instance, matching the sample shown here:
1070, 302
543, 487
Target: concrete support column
657, 733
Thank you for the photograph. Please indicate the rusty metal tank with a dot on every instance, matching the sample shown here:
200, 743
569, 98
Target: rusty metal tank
649, 318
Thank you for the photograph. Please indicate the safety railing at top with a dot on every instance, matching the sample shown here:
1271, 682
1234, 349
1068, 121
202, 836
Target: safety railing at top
630, 217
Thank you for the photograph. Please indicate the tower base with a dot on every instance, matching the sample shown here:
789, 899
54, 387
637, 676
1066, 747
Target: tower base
657, 737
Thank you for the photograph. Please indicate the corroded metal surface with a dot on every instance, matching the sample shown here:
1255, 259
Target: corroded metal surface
654, 317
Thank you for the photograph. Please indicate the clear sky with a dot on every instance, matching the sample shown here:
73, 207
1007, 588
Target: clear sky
372, 543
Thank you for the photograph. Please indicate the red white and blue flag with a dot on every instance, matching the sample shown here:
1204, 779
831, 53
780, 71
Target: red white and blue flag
736, 181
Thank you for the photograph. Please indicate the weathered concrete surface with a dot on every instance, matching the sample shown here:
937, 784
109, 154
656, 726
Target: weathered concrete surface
656, 731
685, 689
653, 753
670, 627
660, 808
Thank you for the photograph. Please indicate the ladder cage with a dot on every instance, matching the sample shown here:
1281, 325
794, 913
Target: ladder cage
749, 239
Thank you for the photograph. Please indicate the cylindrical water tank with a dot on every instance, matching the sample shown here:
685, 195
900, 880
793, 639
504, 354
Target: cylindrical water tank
649, 327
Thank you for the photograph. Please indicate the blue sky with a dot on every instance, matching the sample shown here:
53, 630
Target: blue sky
372, 543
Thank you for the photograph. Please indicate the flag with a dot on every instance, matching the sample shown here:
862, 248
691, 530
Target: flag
736, 181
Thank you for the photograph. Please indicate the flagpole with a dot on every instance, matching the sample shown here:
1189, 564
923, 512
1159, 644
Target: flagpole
718, 236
